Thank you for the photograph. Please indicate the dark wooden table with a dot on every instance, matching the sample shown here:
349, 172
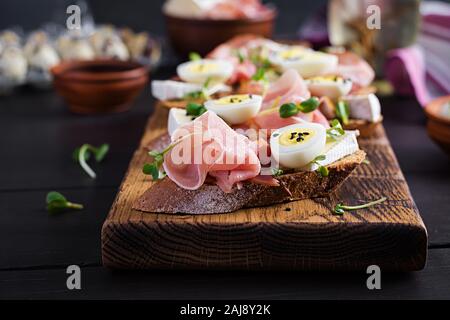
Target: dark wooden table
37, 137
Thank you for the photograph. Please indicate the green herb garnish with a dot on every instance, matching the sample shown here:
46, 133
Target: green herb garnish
277, 172
340, 208
260, 74
195, 95
154, 167
195, 109
291, 109
82, 154
335, 131
366, 161
194, 56
343, 111
57, 203
321, 170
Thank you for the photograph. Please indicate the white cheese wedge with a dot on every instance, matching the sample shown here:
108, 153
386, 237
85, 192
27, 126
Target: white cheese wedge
364, 107
177, 118
336, 150
170, 89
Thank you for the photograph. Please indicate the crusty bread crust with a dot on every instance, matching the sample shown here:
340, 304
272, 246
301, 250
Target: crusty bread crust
166, 197
365, 128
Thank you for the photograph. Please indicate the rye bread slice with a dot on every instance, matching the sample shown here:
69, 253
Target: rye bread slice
166, 197
365, 128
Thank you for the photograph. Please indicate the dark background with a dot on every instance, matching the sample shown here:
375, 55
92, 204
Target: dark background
137, 14
38, 136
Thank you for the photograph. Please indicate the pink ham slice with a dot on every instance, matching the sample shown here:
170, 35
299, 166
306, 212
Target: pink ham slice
290, 87
352, 66
209, 146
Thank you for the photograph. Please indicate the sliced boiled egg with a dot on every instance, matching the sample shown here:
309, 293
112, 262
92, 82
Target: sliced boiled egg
295, 146
177, 118
329, 86
235, 109
307, 62
201, 71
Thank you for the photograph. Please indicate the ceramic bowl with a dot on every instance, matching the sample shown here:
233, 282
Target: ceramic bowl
202, 35
99, 86
438, 126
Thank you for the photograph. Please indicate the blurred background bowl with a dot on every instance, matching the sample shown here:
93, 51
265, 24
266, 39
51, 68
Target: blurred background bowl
202, 35
99, 86
438, 126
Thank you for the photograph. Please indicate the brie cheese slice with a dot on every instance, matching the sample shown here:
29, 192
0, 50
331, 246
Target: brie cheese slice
336, 150
177, 118
364, 107
170, 89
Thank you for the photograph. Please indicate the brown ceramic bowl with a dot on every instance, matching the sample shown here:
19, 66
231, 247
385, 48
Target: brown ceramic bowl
202, 35
438, 126
99, 86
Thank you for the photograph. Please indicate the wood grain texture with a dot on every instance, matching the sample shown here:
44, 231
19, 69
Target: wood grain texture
300, 235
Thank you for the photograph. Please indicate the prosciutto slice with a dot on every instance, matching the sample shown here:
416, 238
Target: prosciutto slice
290, 87
208, 145
352, 66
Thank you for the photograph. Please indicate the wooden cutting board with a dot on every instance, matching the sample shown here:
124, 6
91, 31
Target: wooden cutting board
300, 235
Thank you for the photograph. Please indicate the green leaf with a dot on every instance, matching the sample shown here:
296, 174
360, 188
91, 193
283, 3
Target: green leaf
342, 112
323, 171
101, 152
56, 203
194, 56
207, 83
56, 206
336, 130
309, 105
195, 109
277, 172
151, 169
338, 209
259, 74
55, 196
319, 158
76, 153
288, 110
194, 95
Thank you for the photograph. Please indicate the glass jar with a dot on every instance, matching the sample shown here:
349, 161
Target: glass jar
372, 27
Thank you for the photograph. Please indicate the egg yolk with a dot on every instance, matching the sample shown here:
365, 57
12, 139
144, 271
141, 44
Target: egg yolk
330, 78
292, 54
203, 67
295, 136
237, 98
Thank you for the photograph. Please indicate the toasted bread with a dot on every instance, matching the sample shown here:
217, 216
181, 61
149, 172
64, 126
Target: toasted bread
365, 128
167, 197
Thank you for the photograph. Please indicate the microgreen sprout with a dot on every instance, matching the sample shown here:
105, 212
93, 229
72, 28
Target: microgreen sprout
276, 172
57, 203
291, 109
340, 208
154, 168
82, 154
321, 170
366, 161
194, 56
195, 109
335, 131
342, 112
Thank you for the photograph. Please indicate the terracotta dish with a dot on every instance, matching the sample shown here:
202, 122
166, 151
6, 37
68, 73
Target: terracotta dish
438, 125
203, 35
99, 86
